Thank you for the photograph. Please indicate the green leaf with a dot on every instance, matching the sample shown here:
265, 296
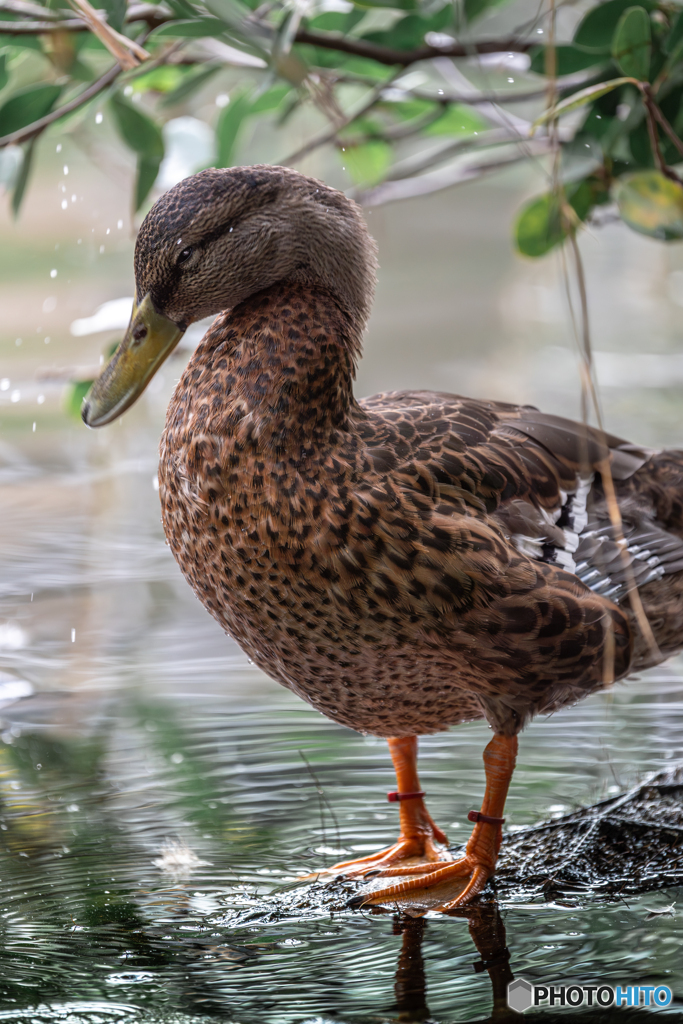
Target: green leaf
4, 77
229, 125
596, 30
73, 398
195, 29
579, 99
270, 99
27, 105
336, 21
539, 227
456, 120
116, 10
189, 85
473, 8
23, 176
137, 129
651, 204
368, 163
675, 36
397, 5
148, 168
162, 79
632, 43
230, 12
144, 137
409, 32
568, 59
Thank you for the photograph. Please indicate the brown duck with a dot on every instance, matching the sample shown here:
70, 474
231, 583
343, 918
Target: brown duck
405, 562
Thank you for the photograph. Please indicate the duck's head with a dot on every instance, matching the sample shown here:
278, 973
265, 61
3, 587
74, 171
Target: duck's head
217, 238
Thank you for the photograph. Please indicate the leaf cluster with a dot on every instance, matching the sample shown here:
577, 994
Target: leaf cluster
631, 120
614, 124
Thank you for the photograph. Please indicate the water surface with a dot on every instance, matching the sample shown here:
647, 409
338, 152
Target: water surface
155, 787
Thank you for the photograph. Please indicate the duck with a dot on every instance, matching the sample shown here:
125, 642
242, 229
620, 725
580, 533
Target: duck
405, 562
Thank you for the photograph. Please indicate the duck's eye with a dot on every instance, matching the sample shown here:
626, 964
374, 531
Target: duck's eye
184, 256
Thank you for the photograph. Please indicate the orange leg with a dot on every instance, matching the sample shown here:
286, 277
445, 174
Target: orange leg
481, 852
419, 835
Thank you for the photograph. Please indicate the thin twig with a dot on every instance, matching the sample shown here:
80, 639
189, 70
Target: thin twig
657, 113
323, 802
330, 134
41, 28
124, 50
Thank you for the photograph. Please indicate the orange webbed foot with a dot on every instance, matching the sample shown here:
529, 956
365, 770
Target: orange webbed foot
420, 839
428, 886
426, 845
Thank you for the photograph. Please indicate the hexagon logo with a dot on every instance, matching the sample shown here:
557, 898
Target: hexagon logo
520, 995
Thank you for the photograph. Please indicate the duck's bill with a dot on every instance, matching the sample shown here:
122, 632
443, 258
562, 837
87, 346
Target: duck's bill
149, 340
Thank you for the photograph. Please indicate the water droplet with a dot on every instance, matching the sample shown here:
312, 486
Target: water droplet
59, 148
64, 204
18, 342
66, 168
53, 273
15, 396
119, 224
34, 430
98, 118
177, 758
4, 384
73, 199
222, 99
47, 340
108, 231
73, 636
101, 249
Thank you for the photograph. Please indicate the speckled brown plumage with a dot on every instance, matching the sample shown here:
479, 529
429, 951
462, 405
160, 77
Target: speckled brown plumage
408, 561
357, 551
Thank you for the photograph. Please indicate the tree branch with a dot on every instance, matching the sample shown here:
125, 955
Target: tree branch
39, 28
386, 55
325, 40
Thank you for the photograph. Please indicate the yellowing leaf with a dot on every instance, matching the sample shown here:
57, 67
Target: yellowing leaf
540, 226
651, 204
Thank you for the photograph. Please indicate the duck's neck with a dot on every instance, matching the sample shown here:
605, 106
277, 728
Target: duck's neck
276, 372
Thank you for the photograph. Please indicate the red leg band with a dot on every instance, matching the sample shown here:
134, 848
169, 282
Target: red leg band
395, 797
486, 818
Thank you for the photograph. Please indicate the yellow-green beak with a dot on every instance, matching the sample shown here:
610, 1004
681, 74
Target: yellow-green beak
150, 338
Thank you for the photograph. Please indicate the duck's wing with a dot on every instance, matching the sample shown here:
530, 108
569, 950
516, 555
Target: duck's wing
537, 475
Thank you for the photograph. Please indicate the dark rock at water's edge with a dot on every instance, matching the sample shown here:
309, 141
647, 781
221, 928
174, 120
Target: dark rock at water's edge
628, 844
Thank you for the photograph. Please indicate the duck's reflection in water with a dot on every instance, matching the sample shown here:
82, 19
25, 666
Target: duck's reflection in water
488, 934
